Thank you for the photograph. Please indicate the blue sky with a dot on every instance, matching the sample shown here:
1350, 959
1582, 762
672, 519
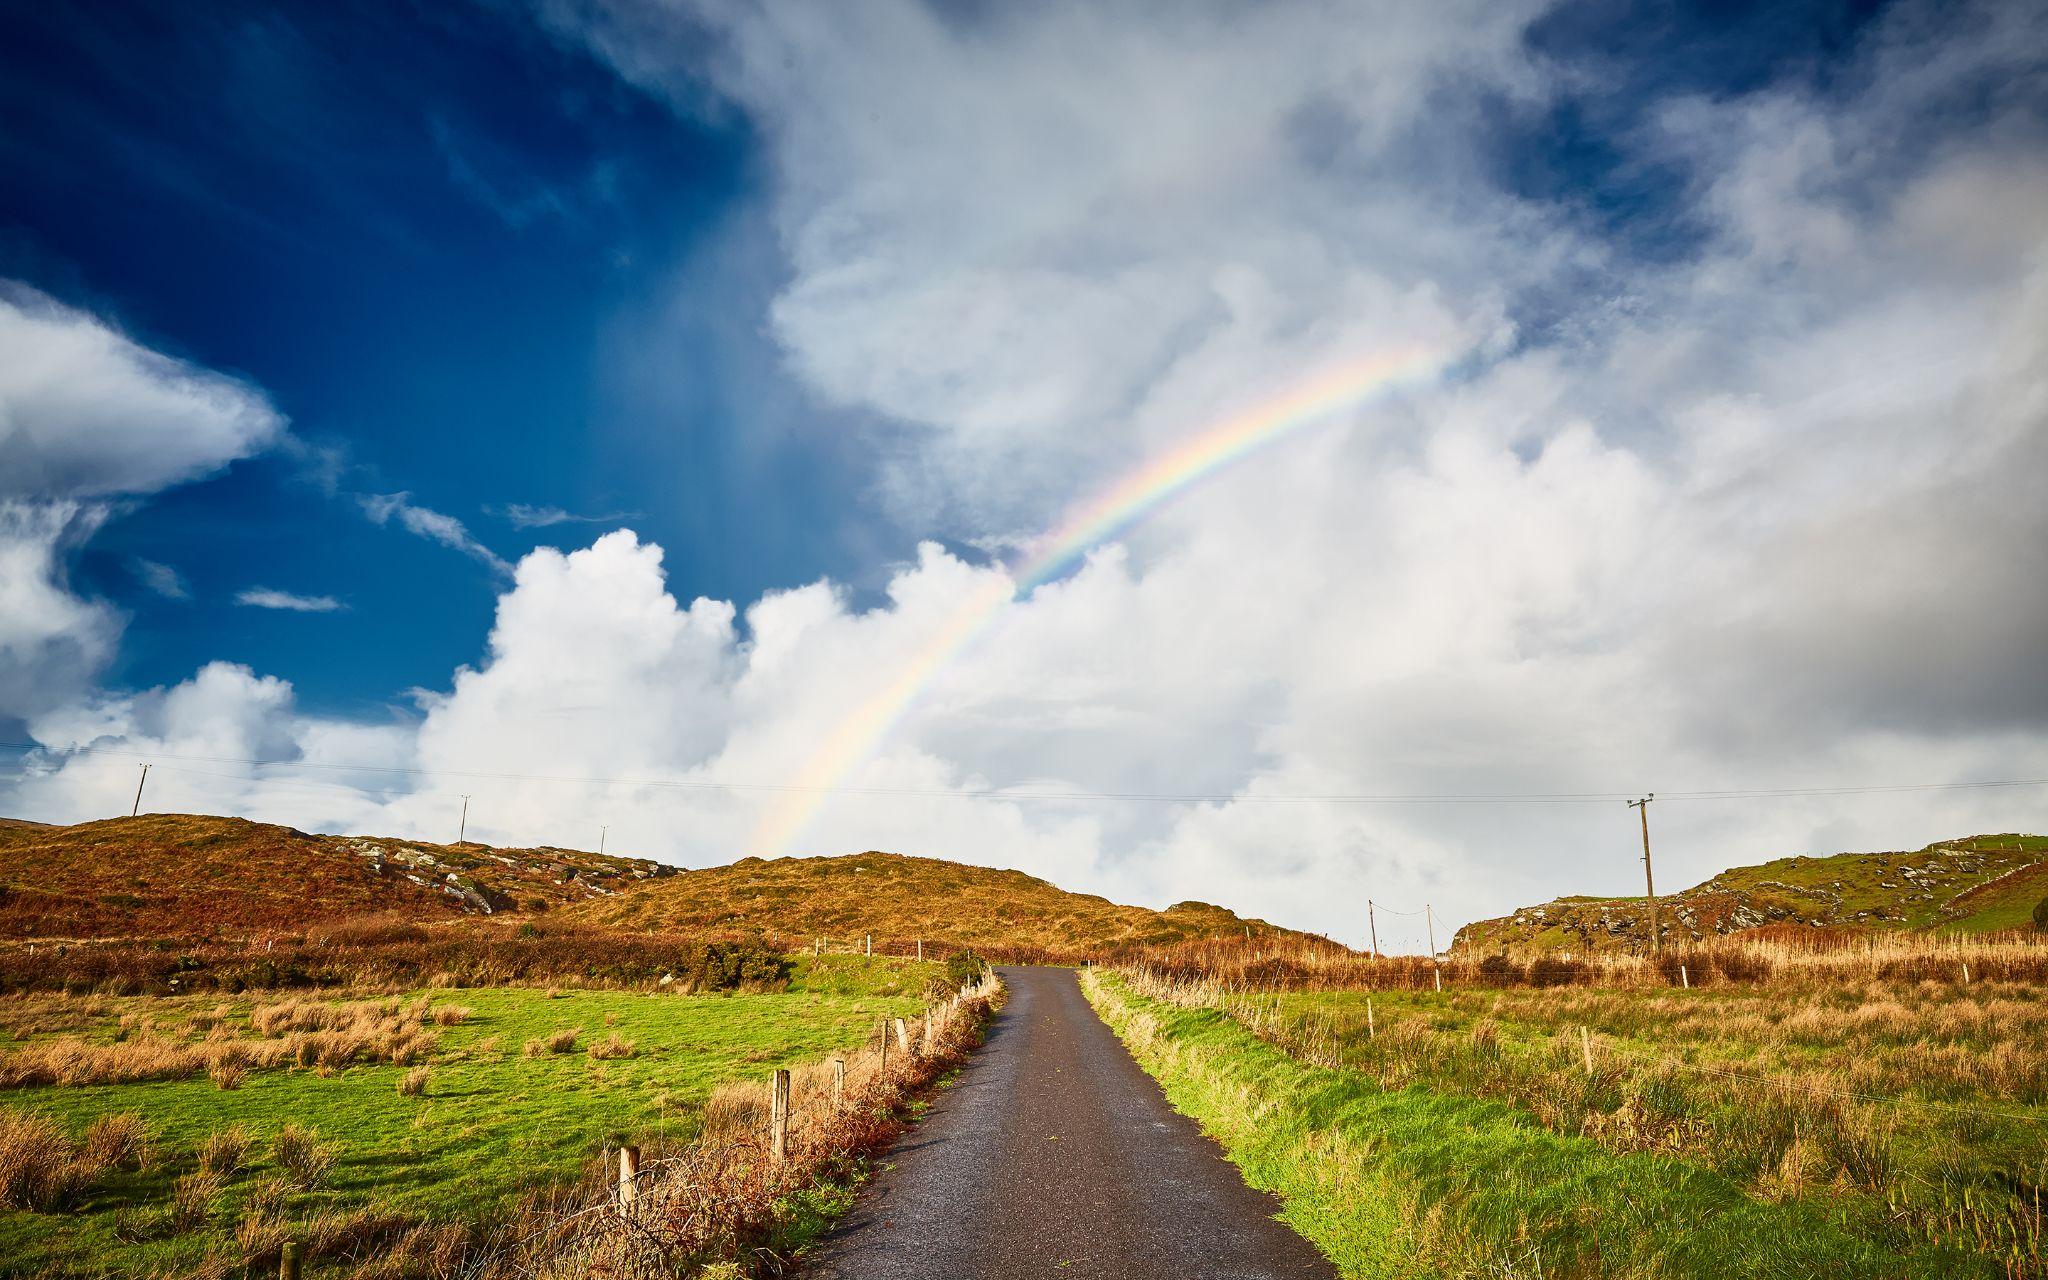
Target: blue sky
445, 243
815, 320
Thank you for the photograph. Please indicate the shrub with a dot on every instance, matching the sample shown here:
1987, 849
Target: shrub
413, 1083
2041, 915
225, 1151
1552, 972
304, 1159
1499, 971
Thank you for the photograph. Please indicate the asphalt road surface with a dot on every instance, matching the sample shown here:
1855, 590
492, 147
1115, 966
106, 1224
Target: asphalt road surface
1054, 1155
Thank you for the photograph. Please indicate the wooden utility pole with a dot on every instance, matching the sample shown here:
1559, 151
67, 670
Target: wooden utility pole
1429, 918
1642, 806
1372, 923
602, 832
137, 806
462, 831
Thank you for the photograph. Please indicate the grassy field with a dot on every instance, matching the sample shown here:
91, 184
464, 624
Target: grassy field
898, 899
501, 1110
1873, 1128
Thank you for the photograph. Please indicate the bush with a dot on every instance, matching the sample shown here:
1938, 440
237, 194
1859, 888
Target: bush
1499, 971
1552, 972
2041, 915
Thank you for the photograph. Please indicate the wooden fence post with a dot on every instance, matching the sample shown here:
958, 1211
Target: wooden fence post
1439, 981
1369, 1031
902, 1036
1966, 975
927, 1031
885, 1046
1684, 978
629, 1177
920, 950
288, 1261
778, 1117
1586, 1047
838, 1083
871, 946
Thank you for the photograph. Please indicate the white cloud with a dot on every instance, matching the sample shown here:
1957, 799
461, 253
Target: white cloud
1753, 514
89, 417
162, 579
267, 598
382, 508
521, 515
86, 412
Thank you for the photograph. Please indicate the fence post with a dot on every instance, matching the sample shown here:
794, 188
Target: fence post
838, 1083
288, 1261
1966, 975
629, 1177
1369, 1031
920, 950
927, 1031
1684, 978
1439, 980
1586, 1047
885, 1047
871, 946
902, 1036
778, 1117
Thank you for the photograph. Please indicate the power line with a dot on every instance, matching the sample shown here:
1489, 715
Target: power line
1012, 793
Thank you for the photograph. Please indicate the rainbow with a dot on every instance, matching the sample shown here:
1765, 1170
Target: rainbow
1108, 513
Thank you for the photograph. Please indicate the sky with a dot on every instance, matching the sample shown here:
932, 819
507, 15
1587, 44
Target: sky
1278, 455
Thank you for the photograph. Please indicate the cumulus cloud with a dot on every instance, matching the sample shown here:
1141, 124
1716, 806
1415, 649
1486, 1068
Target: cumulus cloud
424, 522
86, 412
1749, 513
89, 417
268, 598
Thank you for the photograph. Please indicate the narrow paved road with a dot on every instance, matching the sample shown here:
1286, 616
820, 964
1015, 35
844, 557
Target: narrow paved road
1054, 1155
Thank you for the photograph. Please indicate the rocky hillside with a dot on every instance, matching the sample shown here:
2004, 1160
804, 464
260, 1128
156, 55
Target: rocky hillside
1972, 885
177, 875
898, 898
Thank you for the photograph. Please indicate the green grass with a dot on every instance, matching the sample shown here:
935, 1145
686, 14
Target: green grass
492, 1120
1419, 1182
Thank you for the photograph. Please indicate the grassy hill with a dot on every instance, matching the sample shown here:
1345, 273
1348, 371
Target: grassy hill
171, 874
1973, 885
898, 898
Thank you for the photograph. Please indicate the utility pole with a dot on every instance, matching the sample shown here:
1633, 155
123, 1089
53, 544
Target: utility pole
601, 833
1429, 918
1372, 923
462, 832
1642, 806
137, 806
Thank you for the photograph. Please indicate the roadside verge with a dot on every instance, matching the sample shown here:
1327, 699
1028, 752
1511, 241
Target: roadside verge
1416, 1183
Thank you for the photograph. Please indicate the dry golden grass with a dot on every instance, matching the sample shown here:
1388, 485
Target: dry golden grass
413, 1084
612, 1046
305, 1160
898, 899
